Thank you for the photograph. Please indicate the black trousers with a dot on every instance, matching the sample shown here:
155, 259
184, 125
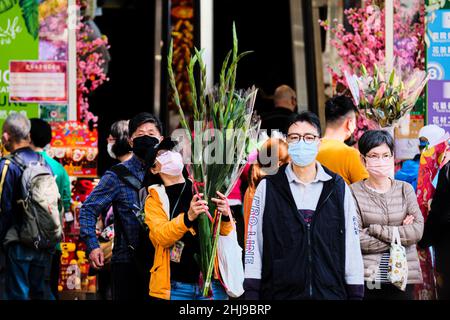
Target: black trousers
443, 284
129, 282
387, 291
104, 284
54, 274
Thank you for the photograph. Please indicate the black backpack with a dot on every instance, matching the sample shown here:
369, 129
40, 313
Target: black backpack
143, 254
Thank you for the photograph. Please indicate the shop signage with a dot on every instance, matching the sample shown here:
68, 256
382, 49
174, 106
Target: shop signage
438, 51
38, 81
439, 103
17, 42
75, 147
438, 67
53, 113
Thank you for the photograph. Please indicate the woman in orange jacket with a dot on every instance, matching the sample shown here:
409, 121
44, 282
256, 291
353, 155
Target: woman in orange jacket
171, 212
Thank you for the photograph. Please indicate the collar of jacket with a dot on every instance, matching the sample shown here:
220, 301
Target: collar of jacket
135, 162
161, 191
281, 183
321, 175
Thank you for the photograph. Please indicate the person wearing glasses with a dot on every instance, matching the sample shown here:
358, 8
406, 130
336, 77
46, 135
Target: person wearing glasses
303, 239
384, 203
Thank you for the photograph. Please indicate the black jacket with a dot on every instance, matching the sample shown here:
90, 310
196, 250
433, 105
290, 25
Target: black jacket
437, 226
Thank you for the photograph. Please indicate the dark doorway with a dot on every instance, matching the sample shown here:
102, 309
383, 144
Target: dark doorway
130, 30
263, 27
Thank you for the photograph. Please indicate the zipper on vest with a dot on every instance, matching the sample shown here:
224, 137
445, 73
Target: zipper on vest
310, 260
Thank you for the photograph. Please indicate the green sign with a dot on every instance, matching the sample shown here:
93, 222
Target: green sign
53, 113
19, 40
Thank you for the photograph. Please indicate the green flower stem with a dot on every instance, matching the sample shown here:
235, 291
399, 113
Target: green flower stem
212, 258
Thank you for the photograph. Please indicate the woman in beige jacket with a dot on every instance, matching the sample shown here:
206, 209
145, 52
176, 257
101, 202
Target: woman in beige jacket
382, 204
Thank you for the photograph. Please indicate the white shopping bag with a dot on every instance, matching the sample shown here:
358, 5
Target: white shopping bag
230, 264
398, 263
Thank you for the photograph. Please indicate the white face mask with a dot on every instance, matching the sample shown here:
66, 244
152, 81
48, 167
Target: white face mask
171, 163
110, 152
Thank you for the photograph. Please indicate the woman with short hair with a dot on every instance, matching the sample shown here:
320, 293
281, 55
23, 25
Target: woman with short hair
384, 203
171, 212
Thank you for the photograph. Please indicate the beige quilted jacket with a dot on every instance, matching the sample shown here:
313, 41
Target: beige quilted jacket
377, 214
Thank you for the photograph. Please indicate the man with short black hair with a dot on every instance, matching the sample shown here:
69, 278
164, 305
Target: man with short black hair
41, 136
129, 281
335, 152
25, 266
303, 237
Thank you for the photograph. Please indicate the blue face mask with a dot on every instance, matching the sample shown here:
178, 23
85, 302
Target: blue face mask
423, 144
303, 154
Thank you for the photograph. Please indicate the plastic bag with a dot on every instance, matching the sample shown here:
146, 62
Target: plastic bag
230, 264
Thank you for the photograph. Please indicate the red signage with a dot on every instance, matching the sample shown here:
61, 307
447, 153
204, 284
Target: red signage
38, 81
75, 147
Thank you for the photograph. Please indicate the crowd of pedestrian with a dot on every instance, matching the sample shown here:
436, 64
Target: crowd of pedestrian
318, 219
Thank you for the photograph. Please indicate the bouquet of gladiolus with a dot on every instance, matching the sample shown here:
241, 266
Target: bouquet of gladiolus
386, 98
224, 129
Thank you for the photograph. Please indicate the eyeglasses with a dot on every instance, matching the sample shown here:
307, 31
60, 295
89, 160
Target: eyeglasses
295, 138
379, 156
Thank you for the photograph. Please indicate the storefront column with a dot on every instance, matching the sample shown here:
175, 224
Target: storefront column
72, 60
389, 34
158, 45
206, 38
298, 54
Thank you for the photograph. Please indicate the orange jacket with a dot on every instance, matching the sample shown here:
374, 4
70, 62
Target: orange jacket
248, 200
163, 234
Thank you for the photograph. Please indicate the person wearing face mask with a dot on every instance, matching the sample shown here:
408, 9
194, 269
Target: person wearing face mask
302, 239
335, 152
120, 188
429, 136
118, 144
382, 204
118, 148
171, 212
